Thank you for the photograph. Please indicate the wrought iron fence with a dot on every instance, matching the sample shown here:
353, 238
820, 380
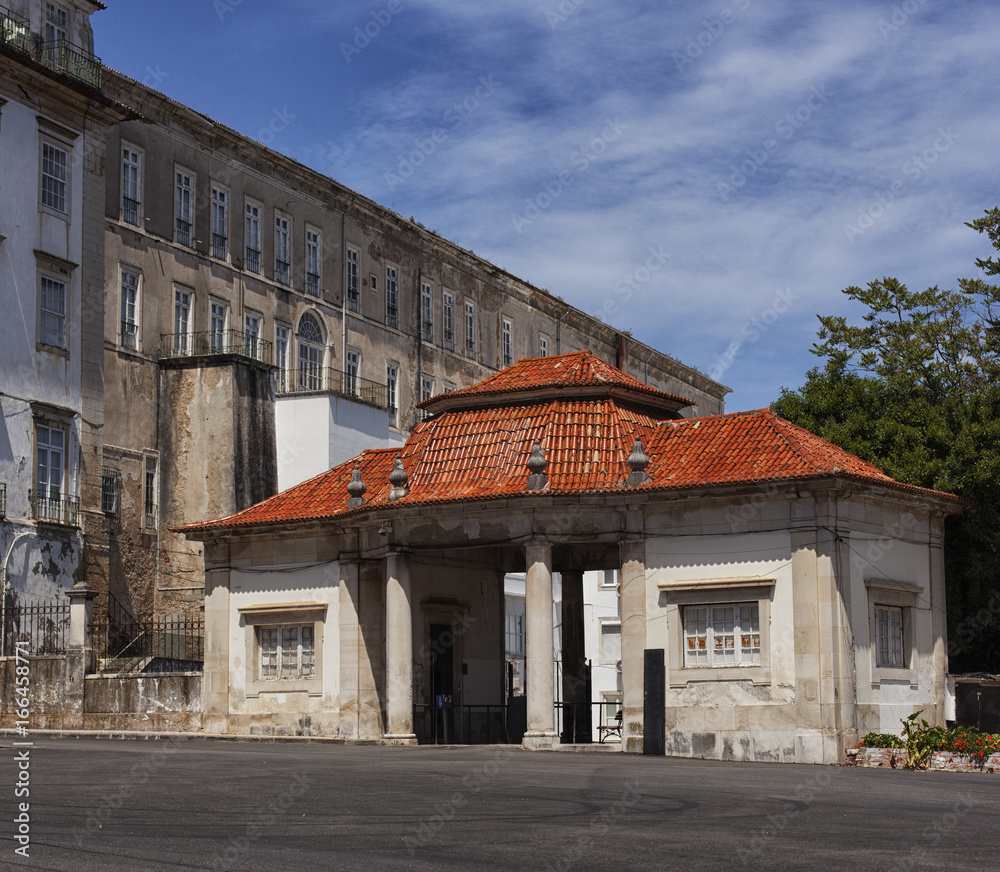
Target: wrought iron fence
14, 30
122, 644
37, 628
56, 510
211, 342
62, 55
344, 384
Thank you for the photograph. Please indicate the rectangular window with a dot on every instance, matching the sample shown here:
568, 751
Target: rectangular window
129, 298
220, 223
449, 322
53, 313
313, 255
514, 636
252, 322
282, 250
184, 208
470, 330
507, 343
353, 281
609, 579
391, 384
218, 325
49, 501
391, 297
722, 635
55, 177
281, 356
427, 312
253, 238
131, 186
449, 386
286, 653
352, 369
611, 642
182, 321
889, 637
426, 388
56, 27
111, 487
149, 494
543, 346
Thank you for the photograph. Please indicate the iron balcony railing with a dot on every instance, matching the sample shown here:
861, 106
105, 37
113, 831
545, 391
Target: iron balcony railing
62, 55
353, 300
130, 211
54, 510
334, 381
3, 499
130, 332
253, 260
282, 272
183, 232
449, 339
220, 246
392, 317
312, 284
214, 342
15, 30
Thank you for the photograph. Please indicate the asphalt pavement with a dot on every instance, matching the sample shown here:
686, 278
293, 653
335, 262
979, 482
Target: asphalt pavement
153, 806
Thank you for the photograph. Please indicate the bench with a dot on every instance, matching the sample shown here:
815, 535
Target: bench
607, 730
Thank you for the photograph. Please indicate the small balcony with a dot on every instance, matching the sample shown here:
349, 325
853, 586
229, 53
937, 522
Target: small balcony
392, 317
220, 246
216, 342
282, 272
314, 379
130, 211
312, 284
15, 31
129, 335
64, 57
253, 260
56, 509
183, 232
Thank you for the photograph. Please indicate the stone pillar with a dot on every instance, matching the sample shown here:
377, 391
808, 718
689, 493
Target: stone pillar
79, 652
809, 744
215, 679
939, 618
576, 708
633, 604
539, 649
349, 688
398, 652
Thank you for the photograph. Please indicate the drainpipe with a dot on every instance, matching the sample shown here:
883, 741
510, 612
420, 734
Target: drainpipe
420, 335
343, 283
559, 330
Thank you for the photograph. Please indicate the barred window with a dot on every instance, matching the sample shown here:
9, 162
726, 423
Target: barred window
722, 635
286, 653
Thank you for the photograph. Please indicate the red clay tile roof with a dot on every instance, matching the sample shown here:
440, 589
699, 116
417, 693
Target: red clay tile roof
482, 454
579, 373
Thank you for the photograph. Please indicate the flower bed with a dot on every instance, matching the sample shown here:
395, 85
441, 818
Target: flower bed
897, 758
922, 746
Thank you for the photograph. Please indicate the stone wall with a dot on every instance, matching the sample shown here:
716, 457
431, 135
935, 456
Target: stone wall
143, 702
46, 692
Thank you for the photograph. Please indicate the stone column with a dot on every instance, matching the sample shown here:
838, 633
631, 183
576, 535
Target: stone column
633, 604
215, 678
79, 651
348, 690
939, 622
576, 709
809, 744
398, 652
539, 649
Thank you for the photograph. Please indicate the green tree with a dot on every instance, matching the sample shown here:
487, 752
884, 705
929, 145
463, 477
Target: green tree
914, 390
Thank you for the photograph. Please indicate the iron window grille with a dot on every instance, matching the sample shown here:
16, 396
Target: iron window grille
253, 260
111, 488
130, 211
220, 246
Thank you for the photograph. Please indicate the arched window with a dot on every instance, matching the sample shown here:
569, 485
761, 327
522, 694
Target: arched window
310, 342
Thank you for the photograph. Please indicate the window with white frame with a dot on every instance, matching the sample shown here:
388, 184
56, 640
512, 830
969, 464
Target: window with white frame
252, 240
470, 330
352, 369
426, 388
55, 177
392, 388
507, 343
281, 332
427, 312
49, 500
727, 634
611, 641
353, 280
150, 483
182, 321
129, 326
514, 636
251, 334
220, 223
609, 579
286, 653
449, 321
391, 296
218, 324
184, 207
313, 260
310, 354
52, 310
56, 29
282, 250
111, 488
131, 186
543, 346
889, 637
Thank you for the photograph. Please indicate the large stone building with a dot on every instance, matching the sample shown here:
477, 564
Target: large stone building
252, 323
792, 594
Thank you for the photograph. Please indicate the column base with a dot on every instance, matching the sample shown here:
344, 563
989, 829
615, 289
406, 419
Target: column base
399, 739
540, 740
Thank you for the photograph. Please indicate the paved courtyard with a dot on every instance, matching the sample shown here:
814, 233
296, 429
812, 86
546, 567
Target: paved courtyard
156, 806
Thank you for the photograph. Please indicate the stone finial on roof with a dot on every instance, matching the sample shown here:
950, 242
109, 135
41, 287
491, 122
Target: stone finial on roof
637, 462
398, 479
537, 465
356, 488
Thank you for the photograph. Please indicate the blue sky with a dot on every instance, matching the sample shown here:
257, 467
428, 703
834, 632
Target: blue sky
707, 175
